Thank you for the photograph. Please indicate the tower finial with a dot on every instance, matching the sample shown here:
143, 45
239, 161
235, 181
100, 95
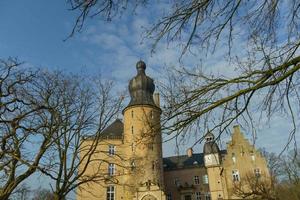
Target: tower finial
141, 66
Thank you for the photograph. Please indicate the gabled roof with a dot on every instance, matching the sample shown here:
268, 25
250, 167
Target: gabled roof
183, 161
113, 131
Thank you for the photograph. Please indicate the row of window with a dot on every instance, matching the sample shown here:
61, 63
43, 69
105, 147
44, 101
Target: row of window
196, 180
198, 195
235, 177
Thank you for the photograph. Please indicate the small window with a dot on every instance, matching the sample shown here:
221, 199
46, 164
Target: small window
205, 179
111, 150
233, 158
150, 146
132, 147
132, 114
198, 195
151, 114
111, 169
235, 175
132, 165
153, 165
177, 182
110, 193
196, 180
252, 156
207, 196
257, 172
169, 196
131, 129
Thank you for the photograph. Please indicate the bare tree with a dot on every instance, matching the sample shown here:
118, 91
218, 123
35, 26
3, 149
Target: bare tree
26, 125
43, 194
262, 40
253, 187
84, 109
44, 117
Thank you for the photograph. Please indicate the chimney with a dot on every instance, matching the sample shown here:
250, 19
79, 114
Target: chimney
156, 99
190, 152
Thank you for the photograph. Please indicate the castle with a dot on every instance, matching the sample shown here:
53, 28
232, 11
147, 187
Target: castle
129, 158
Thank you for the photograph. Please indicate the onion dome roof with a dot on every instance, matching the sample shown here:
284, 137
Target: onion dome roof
210, 146
141, 87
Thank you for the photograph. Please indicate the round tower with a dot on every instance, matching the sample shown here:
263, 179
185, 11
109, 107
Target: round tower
142, 133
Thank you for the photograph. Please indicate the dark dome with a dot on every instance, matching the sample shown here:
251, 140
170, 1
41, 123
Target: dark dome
141, 87
210, 146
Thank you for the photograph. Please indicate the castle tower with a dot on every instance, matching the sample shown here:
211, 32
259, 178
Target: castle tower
214, 170
142, 139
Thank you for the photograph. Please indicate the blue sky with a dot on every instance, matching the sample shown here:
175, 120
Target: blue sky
34, 31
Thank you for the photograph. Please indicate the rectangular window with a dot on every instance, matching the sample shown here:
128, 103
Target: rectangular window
235, 175
252, 156
196, 180
150, 146
111, 169
111, 150
257, 172
110, 193
233, 158
207, 196
205, 179
177, 182
198, 195
169, 196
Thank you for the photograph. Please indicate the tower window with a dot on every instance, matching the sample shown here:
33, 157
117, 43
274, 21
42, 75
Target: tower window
131, 129
110, 193
132, 147
111, 169
111, 150
235, 175
153, 165
132, 114
198, 195
151, 114
196, 180
205, 179
132, 165
150, 146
